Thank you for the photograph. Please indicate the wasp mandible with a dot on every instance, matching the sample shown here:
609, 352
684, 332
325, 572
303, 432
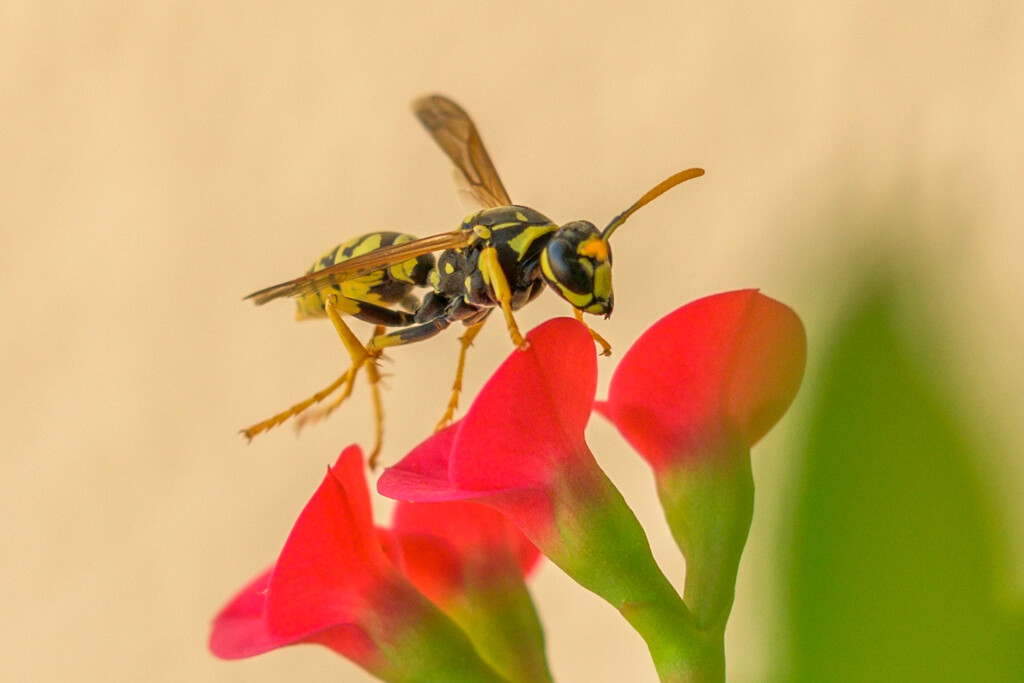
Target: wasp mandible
502, 256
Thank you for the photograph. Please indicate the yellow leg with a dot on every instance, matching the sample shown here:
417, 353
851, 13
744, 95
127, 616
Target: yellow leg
378, 413
606, 348
283, 416
466, 340
359, 355
494, 276
373, 375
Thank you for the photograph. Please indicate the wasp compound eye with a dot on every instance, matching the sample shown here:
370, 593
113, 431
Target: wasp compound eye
561, 265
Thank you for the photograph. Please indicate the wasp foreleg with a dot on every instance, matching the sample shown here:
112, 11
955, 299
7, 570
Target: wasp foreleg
606, 348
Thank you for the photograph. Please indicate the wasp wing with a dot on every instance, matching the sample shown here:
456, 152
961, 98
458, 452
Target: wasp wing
362, 265
453, 130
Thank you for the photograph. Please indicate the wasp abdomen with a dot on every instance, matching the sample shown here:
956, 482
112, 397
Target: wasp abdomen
385, 288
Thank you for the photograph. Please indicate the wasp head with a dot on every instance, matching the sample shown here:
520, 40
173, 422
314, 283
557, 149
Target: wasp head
577, 263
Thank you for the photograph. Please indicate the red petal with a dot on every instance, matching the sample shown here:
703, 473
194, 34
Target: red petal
431, 564
528, 419
332, 559
530, 416
422, 475
474, 531
722, 367
241, 630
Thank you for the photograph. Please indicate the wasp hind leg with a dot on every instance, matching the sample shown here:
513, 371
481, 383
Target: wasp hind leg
313, 416
360, 356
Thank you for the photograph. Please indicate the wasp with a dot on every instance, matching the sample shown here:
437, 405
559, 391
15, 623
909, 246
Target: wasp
501, 257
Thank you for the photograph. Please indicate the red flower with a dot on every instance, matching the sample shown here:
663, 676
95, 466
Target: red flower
720, 369
520, 449
334, 585
521, 440
692, 395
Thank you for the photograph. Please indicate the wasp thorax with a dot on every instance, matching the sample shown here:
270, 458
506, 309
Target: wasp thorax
577, 264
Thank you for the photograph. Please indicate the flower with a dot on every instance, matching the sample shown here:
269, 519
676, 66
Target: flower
521, 450
521, 444
692, 395
334, 585
518, 439
721, 369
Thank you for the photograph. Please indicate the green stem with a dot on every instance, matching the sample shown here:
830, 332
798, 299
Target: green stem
680, 652
709, 506
602, 546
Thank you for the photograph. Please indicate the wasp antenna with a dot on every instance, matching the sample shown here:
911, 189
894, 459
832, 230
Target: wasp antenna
652, 194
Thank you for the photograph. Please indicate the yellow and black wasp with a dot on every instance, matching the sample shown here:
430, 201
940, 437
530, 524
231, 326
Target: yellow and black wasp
502, 256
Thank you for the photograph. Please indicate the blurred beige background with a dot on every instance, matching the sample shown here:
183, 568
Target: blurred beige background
158, 161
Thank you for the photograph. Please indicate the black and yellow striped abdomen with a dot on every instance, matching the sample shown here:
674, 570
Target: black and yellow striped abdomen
382, 288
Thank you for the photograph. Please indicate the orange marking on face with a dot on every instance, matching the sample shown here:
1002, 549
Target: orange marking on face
595, 247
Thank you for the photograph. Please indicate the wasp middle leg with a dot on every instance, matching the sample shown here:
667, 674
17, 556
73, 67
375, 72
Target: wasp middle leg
436, 315
465, 341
